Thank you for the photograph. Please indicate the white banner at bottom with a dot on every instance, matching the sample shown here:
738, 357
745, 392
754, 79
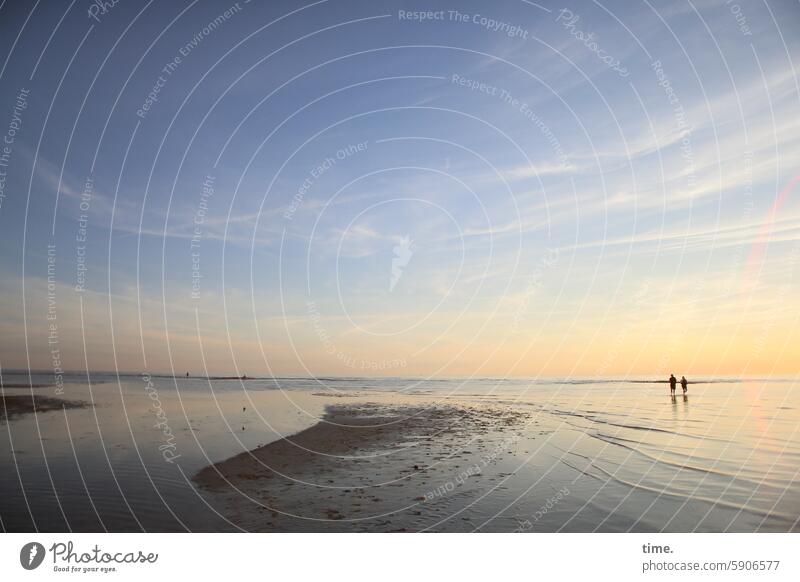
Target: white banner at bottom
351, 557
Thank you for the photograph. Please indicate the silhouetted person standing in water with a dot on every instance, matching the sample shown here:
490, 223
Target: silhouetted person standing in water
684, 383
673, 382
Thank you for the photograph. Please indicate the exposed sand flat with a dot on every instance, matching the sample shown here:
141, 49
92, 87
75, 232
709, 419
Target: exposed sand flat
365, 467
17, 405
577, 458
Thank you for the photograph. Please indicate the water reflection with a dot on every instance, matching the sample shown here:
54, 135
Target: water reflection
631, 461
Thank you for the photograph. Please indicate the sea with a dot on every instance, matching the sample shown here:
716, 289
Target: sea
724, 457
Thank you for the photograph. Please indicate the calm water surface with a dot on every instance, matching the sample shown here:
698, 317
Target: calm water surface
724, 458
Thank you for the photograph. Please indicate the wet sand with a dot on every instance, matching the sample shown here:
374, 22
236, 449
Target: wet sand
19, 405
395, 455
365, 467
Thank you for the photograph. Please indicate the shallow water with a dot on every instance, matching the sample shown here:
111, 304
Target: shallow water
724, 458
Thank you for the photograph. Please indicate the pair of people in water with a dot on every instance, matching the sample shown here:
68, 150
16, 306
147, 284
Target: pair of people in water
673, 382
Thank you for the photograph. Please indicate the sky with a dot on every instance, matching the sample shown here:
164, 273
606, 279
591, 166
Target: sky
400, 188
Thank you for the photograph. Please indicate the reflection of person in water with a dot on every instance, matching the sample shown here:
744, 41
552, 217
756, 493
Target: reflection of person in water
684, 383
672, 383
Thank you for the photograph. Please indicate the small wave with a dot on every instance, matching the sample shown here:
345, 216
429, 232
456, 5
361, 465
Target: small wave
718, 502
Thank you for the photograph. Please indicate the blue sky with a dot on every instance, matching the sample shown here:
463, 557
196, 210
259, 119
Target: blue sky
558, 215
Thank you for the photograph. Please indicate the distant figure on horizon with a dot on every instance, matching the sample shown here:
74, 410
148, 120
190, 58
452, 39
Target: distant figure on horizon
673, 382
684, 383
